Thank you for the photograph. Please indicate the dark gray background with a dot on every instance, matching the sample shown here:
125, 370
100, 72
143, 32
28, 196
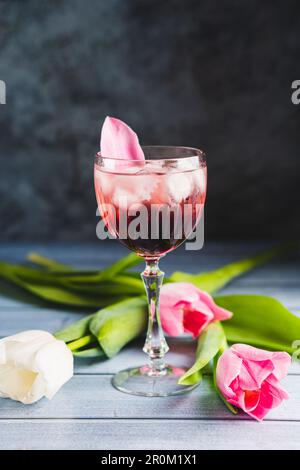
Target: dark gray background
211, 74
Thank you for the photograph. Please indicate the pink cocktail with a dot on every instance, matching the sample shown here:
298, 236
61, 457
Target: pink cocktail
168, 197
152, 205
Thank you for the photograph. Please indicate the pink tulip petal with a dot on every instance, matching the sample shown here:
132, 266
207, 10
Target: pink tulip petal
195, 321
247, 400
276, 388
199, 306
259, 370
251, 353
182, 310
172, 321
251, 399
247, 380
119, 141
173, 293
270, 398
228, 368
235, 385
219, 312
281, 362
259, 412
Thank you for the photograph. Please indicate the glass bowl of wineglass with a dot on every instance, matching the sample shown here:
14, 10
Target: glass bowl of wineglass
152, 206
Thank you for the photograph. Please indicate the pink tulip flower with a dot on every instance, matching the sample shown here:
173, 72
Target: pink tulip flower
249, 378
119, 141
186, 309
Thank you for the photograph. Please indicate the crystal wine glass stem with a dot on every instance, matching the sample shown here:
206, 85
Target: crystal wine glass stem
155, 345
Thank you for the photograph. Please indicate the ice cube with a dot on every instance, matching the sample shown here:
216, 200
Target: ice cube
187, 164
103, 182
200, 180
137, 189
154, 167
123, 198
180, 186
124, 169
133, 169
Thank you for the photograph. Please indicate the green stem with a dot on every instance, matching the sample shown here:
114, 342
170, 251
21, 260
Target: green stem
81, 342
40, 260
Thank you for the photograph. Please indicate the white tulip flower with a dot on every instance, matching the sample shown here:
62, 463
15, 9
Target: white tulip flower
33, 364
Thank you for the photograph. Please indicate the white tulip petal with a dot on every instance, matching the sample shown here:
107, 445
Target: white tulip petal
33, 364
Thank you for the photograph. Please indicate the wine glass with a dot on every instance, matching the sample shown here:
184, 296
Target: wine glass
152, 206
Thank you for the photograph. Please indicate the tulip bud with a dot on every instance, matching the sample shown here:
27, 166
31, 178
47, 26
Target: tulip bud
33, 364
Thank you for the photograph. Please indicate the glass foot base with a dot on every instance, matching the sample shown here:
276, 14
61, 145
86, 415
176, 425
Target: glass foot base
144, 382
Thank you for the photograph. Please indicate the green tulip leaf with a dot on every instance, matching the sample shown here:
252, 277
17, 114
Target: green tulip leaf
123, 264
213, 281
89, 353
120, 266
48, 263
76, 330
210, 342
53, 293
260, 321
118, 324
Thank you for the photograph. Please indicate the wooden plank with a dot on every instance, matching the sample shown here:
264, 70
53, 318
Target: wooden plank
181, 353
279, 278
133, 356
182, 350
289, 295
97, 254
77, 249
147, 435
14, 319
86, 397
198, 420
287, 292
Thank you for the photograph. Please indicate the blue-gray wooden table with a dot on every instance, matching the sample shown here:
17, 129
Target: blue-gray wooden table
88, 413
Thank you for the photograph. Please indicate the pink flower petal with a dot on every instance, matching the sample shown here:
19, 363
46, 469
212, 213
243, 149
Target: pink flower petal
247, 379
219, 312
181, 310
259, 412
228, 369
195, 320
259, 370
281, 362
174, 292
198, 307
119, 141
251, 400
276, 388
251, 353
247, 400
270, 398
172, 320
